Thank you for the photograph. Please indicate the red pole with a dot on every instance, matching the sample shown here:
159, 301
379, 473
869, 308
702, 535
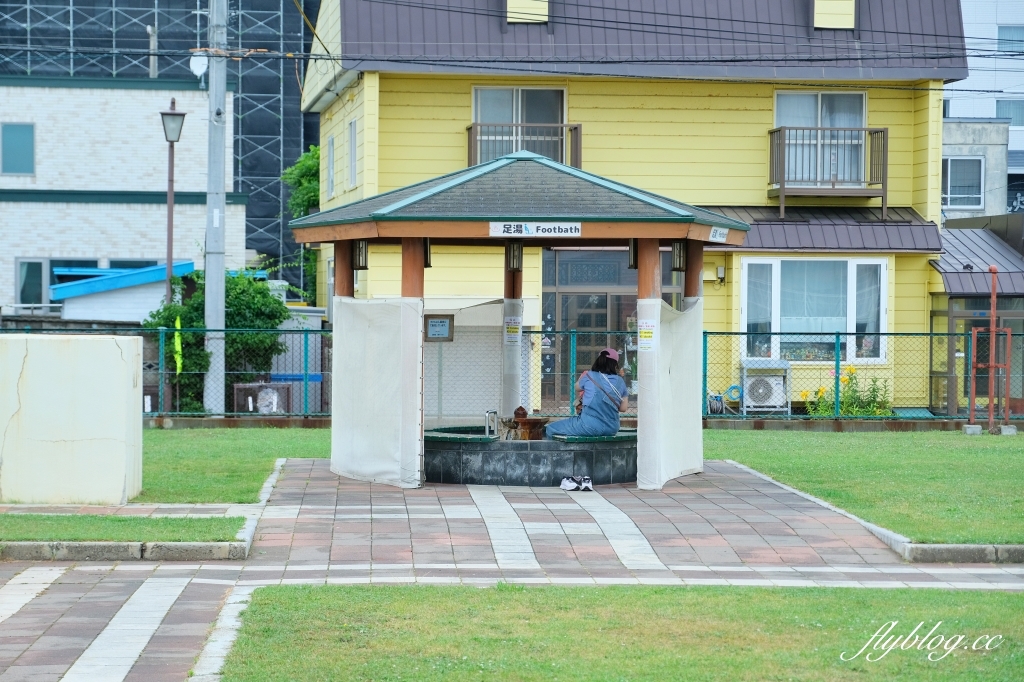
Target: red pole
992, 343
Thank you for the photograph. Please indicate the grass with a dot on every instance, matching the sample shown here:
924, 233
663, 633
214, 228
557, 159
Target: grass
69, 528
933, 487
422, 633
219, 465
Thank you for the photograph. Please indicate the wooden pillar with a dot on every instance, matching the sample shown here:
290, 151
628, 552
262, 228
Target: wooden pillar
694, 268
413, 254
513, 278
344, 283
648, 266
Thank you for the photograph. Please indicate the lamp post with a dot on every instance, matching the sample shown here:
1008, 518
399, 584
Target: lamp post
173, 121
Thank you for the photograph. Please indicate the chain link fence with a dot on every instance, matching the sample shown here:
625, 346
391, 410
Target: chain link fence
895, 376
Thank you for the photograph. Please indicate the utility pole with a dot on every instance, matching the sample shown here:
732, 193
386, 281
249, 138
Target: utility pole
214, 398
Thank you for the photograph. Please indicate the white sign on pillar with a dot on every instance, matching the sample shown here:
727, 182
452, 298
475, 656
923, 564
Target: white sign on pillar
514, 330
511, 360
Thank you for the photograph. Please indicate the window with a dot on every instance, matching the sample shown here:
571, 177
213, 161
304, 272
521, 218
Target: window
35, 275
352, 153
793, 308
513, 119
945, 108
330, 166
131, 264
962, 183
30, 283
18, 154
1011, 39
822, 156
1012, 109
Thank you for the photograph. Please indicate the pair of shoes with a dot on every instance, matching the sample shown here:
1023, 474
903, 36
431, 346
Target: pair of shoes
577, 483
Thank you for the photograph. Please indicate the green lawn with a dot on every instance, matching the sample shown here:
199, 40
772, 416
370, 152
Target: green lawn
69, 528
219, 465
930, 486
422, 633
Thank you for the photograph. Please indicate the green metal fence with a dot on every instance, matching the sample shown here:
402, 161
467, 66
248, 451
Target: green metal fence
874, 376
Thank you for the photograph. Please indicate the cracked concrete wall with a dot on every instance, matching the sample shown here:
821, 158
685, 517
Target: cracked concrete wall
70, 418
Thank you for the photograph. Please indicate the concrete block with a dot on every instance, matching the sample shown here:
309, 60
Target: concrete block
959, 554
70, 418
193, 551
1010, 554
1007, 430
71, 551
972, 429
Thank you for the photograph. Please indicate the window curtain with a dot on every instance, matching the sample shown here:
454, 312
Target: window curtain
759, 310
799, 111
869, 310
495, 107
842, 154
813, 296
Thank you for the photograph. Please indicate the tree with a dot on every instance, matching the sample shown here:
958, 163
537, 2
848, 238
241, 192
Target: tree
304, 180
249, 305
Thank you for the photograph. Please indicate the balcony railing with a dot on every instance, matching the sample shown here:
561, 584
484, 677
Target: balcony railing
559, 142
839, 162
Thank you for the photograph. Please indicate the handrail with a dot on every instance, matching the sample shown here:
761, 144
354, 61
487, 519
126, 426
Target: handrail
831, 161
488, 141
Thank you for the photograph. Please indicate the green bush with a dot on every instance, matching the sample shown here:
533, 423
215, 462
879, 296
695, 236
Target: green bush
249, 304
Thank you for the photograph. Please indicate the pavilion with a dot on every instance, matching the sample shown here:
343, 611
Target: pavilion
518, 199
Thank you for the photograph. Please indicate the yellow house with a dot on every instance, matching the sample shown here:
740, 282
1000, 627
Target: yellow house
774, 114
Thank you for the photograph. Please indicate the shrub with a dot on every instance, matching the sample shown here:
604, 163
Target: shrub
854, 400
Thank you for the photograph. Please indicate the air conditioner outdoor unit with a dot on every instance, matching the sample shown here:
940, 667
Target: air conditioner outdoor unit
764, 392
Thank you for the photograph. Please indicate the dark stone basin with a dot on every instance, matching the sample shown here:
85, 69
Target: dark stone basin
466, 456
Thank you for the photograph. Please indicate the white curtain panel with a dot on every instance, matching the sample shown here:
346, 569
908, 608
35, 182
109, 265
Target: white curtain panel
813, 296
377, 397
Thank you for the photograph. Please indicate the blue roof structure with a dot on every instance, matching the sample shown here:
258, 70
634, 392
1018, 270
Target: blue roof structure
118, 279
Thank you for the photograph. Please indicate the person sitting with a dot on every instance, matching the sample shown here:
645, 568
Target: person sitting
604, 396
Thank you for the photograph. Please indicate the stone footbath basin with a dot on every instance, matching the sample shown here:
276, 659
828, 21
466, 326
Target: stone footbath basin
465, 455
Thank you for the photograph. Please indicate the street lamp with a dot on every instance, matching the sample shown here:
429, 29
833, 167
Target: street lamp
172, 120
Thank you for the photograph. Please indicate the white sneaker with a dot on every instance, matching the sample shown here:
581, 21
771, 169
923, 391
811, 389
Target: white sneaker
587, 484
569, 484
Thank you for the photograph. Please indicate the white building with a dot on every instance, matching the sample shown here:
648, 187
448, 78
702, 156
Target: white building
973, 167
83, 180
994, 25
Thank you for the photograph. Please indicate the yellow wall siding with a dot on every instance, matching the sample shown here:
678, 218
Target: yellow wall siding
526, 11
927, 149
703, 143
370, 133
835, 13
334, 121
913, 300
322, 73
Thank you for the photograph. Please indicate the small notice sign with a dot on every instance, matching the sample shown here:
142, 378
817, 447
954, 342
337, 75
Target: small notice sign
438, 327
647, 331
513, 331
523, 228
719, 234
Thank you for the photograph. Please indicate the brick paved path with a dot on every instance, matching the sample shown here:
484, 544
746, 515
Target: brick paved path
142, 621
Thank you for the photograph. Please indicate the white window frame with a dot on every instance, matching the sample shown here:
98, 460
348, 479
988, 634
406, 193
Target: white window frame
34, 155
944, 189
330, 167
863, 96
353, 153
851, 308
516, 90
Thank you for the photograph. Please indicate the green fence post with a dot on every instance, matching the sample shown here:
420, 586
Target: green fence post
704, 372
572, 372
838, 374
967, 367
160, 373
305, 372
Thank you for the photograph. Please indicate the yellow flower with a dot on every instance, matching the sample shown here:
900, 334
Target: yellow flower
844, 380
804, 395
851, 370
821, 391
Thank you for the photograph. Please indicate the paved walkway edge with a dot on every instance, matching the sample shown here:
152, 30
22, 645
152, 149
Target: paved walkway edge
902, 545
211, 659
148, 551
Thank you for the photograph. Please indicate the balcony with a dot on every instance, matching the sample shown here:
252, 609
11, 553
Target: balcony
828, 162
559, 142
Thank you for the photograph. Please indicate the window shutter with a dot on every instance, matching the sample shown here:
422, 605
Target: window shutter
527, 11
835, 14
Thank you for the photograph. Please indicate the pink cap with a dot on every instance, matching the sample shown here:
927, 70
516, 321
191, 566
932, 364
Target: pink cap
612, 353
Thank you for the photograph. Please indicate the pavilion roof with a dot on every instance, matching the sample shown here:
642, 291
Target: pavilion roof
519, 186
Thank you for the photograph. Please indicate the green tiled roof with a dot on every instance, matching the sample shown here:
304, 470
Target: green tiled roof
520, 186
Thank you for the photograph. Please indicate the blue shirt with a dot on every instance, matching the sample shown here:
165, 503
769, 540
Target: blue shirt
607, 381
